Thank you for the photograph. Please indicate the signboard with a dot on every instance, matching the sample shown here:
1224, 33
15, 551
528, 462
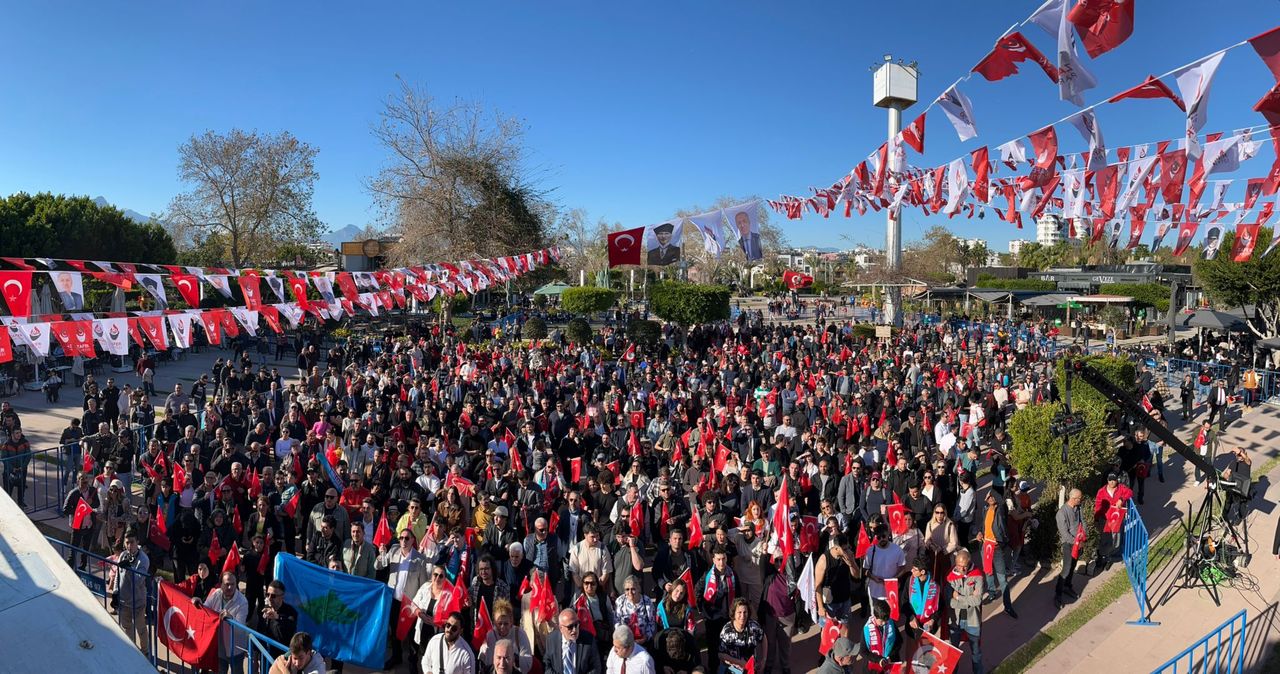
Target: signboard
884, 331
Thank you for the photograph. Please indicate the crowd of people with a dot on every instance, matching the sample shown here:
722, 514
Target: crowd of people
691, 504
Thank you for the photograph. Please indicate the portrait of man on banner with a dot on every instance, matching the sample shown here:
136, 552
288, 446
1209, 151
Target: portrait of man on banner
746, 222
70, 289
663, 244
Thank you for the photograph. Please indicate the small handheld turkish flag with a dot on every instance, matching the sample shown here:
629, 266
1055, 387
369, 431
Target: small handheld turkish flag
830, 632
232, 564
891, 596
383, 536
625, 246
83, 515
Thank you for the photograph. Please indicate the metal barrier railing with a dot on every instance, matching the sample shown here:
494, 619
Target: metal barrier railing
117, 586
1137, 546
1209, 655
36, 480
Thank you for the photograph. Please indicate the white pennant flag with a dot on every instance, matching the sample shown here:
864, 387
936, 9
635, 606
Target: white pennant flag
1073, 78
34, 335
180, 326
154, 284
1073, 193
324, 285
247, 318
1248, 147
1220, 188
896, 205
1087, 124
1222, 155
291, 311
957, 186
219, 282
1138, 171
112, 335
712, 228
1013, 153
1193, 83
960, 111
277, 286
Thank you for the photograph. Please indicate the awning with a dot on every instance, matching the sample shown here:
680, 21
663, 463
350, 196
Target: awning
1102, 299
1208, 318
554, 288
1049, 300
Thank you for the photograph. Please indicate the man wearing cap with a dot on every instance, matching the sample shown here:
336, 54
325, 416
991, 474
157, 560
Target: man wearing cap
840, 658
664, 253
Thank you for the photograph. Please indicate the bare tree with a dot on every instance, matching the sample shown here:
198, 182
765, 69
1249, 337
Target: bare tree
455, 185
252, 191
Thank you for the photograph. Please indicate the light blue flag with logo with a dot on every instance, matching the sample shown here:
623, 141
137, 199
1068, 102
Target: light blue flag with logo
345, 615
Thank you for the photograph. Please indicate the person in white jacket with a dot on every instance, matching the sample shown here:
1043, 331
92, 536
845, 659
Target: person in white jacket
227, 601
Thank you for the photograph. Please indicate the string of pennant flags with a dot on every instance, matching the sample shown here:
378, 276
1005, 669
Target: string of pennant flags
1091, 188
340, 293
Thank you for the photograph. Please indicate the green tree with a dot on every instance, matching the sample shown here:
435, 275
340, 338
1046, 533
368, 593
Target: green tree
689, 303
586, 300
1145, 294
254, 189
644, 332
1255, 281
1015, 284
48, 225
578, 330
534, 328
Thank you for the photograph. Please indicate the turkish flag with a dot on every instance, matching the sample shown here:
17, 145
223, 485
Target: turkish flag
383, 536
635, 518
16, 288
407, 616
637, 419
232, 563
687, 579
179, 478
484, 625
1186, 232
76, 337
624, 247
941, 657
190, 632
584, 615
864, 542
83, 511
808, 534
988, 557
251, 287
1103, 25
633, 444
1045, 144
575, 469
236, 522
1009, 51
830, 632
898, 519
272, 316
215, 551
347, 285
265, 559
1115, 519
795, 280
891, 596
189, 287
449, 604
695, 531
6, 345
1150, 88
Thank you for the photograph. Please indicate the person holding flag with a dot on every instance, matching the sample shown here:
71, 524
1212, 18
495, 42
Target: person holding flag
880, 638
964, 596
716, 594
81, 507
1071, 535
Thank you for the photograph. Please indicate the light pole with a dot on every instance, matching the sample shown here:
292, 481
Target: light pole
894, 86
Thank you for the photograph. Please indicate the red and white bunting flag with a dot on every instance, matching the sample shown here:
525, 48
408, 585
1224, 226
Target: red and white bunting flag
1009, 51
956, 106
982, 174
1045, 145
1150, 88
180, 326
1103, 24
913, 135
16, 288
1074, 77
76, 337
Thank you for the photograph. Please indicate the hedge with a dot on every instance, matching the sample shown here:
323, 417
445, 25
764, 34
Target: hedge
578, 330
534, 328
690, 303
1145, 294
645, 332
1015, 284
587, 300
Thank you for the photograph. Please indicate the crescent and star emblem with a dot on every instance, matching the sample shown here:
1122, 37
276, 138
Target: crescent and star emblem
168, 625
631, 241
16, 291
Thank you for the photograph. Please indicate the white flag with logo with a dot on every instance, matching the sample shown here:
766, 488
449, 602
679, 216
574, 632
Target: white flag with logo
291, 311
960, 111
1193, 83
180, 326
1073, 77
112, 335
957, 186
1013, 153
1222, 155
1087, 124
247, 318
1139, 169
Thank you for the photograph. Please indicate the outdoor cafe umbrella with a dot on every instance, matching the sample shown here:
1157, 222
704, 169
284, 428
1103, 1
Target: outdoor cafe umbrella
1213, 320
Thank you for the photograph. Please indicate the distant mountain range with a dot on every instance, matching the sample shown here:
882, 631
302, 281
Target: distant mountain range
337, 237
128, 212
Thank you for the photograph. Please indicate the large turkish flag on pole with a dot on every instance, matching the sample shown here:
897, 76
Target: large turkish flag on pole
625, 246
190, 632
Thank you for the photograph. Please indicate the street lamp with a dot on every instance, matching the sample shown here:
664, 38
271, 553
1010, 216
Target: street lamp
894, 88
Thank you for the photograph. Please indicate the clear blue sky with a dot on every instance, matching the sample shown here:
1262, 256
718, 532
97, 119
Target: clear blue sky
634, 110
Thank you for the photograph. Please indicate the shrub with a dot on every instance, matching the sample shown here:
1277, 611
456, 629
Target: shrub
1118, 370
1042, 542
578, 331
1015, 284
540, 301
586, 300
690, 303
1145, 294
534, 328
644, 331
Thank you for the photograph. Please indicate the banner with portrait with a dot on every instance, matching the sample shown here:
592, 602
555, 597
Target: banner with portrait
662, 243
744, 220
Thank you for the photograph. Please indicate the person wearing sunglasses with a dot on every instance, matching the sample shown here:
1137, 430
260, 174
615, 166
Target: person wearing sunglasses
277, 619
568, 651
447, 653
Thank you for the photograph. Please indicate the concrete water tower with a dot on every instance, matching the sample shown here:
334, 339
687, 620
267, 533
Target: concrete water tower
895, 87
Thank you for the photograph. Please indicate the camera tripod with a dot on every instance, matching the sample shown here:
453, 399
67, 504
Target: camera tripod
1214, 548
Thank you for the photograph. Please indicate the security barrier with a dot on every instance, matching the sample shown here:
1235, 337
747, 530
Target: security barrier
1220, 651
1136, 547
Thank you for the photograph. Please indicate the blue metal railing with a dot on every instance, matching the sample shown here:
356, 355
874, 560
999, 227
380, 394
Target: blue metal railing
1136, 548
1227, 658
37, 480
259, 650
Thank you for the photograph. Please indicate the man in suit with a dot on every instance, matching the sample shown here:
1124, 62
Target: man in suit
664, 253
72, 297
567, 652
1217, 400
748, 240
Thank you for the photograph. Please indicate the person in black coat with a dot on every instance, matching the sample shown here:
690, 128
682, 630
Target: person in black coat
277, 619
585, 656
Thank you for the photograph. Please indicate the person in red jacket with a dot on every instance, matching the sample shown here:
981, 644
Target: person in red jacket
1111, 499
